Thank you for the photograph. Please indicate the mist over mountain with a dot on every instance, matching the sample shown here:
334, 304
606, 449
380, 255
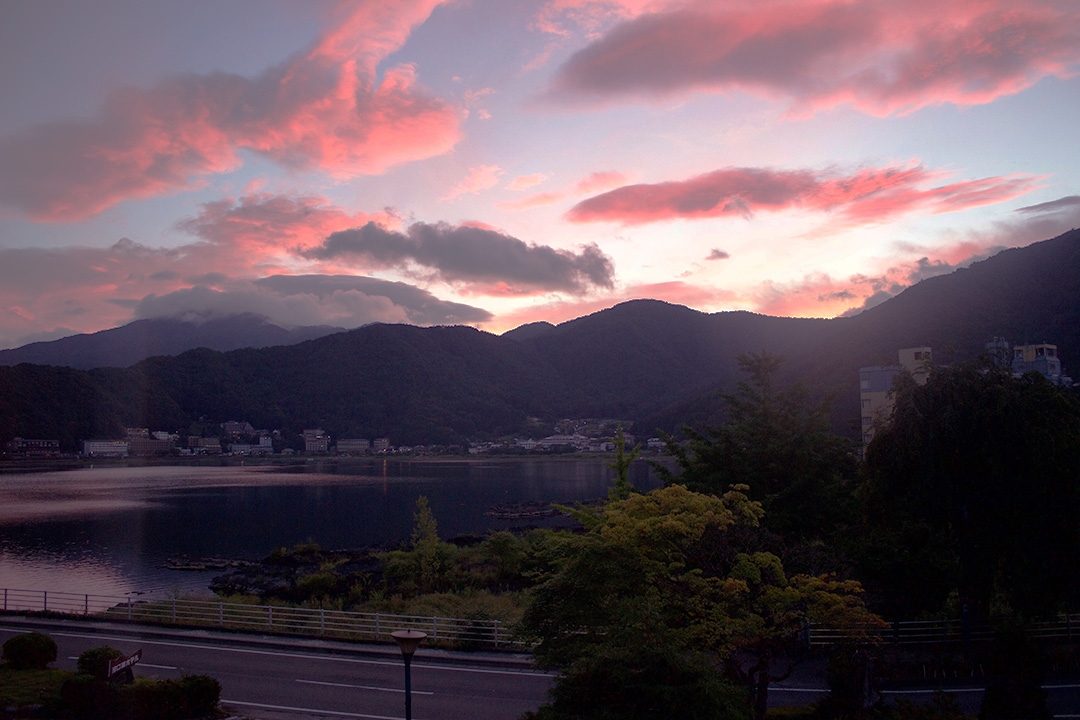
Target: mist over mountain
644, 360
138, 340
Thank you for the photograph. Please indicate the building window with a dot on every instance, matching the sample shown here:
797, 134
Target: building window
864, 383
866, 403
867, 421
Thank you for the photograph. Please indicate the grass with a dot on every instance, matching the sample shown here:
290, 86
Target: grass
27, 687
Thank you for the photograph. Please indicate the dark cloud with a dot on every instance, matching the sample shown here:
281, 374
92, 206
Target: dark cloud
718, 254
1068, 202
474, 255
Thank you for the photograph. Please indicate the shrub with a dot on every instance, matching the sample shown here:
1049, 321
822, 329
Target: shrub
95, 661
30, 651
88, 698
201, 695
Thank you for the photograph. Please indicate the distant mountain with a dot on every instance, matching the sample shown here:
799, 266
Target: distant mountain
644, 360
127, 345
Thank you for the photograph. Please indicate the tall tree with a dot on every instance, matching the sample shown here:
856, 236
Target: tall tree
779, 443
987, 467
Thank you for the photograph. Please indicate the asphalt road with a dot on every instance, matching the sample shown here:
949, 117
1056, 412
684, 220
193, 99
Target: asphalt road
275, 678
297, 680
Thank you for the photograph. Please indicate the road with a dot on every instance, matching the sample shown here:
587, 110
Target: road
275, 678
294, 680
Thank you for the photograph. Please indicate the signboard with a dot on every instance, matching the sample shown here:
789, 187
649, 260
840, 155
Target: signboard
119, 665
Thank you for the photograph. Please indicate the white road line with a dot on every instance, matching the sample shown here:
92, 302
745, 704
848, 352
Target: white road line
328, 658
364, 687
313, 711
794, 689
142, 664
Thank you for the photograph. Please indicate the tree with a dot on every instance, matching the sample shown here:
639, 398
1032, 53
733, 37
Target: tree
778, 443
621, 465
987, 468
658, 588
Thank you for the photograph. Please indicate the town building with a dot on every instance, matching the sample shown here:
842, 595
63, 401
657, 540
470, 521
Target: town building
27, 447
1043, 359
105, 448
316, 441
353, 446
876, 382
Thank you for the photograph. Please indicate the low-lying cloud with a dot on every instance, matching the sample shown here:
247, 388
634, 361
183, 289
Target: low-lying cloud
298, 300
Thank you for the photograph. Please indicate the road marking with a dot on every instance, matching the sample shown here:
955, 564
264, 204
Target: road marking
948, 691
794, 689
329, 658
310, 710
142, 664
363, 687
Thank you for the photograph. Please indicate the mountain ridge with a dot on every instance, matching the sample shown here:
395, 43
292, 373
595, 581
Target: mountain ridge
643, 360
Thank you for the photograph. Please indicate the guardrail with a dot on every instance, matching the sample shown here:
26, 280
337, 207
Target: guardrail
942, 632
461, 633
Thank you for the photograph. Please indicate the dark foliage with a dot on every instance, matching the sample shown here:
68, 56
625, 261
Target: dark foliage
30, 651
974, 487
95, 661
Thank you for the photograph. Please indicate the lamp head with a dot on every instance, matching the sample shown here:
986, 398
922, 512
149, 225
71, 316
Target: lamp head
408, 640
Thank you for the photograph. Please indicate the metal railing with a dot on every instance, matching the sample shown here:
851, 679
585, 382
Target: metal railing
941, 632
462, 633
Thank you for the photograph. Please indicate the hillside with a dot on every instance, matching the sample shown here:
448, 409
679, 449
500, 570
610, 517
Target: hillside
127, 345
644, 360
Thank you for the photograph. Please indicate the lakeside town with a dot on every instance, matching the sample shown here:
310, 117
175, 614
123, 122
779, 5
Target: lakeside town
241, 439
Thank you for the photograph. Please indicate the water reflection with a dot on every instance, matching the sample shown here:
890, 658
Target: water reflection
107, 530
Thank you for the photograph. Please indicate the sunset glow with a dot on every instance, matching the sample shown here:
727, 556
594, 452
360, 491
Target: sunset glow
493, 163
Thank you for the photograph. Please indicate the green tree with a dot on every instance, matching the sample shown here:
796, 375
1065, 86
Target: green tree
779, 443
621, 465
658, 588
986, 468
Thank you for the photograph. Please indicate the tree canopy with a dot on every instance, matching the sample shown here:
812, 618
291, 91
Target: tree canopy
972, 487
661, 586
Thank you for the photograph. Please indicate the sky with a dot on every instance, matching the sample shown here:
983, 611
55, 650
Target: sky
495, 163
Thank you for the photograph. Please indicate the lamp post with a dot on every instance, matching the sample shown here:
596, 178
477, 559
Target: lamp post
408, 641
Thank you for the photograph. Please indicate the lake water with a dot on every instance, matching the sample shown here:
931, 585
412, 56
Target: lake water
107, 530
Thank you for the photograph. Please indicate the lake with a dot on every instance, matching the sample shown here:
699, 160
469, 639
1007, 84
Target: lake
108, 530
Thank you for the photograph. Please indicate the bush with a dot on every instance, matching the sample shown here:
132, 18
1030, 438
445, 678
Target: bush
30, 651
95, 661
193, 696
202, 694
88, 698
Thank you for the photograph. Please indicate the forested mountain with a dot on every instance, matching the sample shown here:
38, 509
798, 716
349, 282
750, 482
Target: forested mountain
643, 360
127, 345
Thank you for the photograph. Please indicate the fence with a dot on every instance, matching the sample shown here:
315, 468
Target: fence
461, 633
943, 632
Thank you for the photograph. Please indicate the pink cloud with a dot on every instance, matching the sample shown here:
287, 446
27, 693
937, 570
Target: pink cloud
480, 178
323, 110
524, 182
275, 223
866, 196
821, 295
883, 57
590, 183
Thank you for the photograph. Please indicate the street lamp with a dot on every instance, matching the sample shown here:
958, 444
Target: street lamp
408, 641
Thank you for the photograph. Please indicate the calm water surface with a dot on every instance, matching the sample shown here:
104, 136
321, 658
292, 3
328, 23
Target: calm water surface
106, 531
